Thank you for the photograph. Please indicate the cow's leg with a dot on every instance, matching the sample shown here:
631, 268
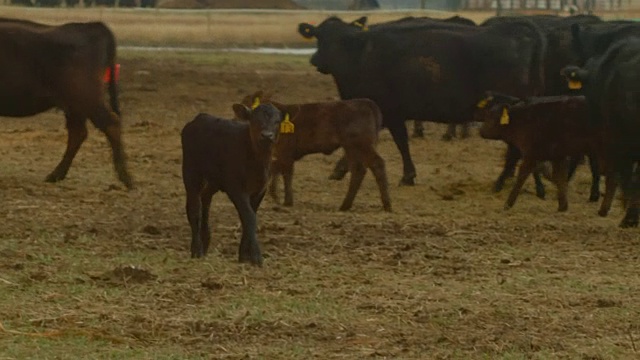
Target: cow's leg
610, 185
341, 169
450, 133
537, 178
287, 175
249, 250
418, 129
594, 166
401, 138
631, 189
109, 123
524, 171
561, 178
205, 231
376, 164
358, 171
76, 135
465, 130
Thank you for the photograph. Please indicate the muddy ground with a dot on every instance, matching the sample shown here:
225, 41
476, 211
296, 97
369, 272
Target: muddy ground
90, 270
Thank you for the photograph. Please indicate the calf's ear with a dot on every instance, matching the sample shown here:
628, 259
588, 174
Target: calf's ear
242, 112
307, 30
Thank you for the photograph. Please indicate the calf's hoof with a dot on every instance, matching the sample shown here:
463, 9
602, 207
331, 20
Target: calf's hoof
197, 254
288, 203
54, 177
344, 207
540, 193
498, 186
447, 137
594, 197
563, 208
126, 179
603, 212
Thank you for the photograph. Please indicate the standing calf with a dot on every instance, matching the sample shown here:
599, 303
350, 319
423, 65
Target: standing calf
548, 128
323, 128
233, 157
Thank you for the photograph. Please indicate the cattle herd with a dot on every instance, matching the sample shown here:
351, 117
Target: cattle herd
554, 89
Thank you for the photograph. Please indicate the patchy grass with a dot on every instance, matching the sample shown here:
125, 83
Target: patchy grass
89, 270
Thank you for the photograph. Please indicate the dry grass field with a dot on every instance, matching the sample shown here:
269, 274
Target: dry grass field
89, 270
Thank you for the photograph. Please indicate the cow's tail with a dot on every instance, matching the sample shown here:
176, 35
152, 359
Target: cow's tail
111, 63
538, 58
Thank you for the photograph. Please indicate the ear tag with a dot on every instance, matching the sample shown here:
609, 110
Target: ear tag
286, 126
256, 103
575, 85
484, 102
504, 118
361, 26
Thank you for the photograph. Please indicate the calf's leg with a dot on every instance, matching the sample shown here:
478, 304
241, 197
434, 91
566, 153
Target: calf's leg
109, 123
76, 135
524, 171
464, 131
249, 250
205, 233
561, 178
357, 174
376, 164
340, 170
610, 185
193, 186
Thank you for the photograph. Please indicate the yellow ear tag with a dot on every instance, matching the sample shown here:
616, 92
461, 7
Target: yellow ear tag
575, 84
256, 103
286, 126
504, 119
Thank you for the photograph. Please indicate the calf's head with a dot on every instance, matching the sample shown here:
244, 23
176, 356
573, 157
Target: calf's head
493, 111
264, 122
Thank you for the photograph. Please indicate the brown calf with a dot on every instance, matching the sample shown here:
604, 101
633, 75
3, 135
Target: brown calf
550, 128
322, 128
233, 157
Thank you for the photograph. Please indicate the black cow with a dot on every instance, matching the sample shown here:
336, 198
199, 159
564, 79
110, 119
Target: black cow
428, 71
612, 87
44, 67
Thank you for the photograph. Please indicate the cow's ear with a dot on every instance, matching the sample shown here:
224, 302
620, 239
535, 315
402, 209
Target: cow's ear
242, 112
361, 23
307, 30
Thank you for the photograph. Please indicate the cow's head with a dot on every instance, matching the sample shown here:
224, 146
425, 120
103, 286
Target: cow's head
339, 43
575, 76
493, 110
264, 123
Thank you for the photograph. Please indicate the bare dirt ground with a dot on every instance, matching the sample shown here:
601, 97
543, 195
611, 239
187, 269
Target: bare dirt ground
90, 270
